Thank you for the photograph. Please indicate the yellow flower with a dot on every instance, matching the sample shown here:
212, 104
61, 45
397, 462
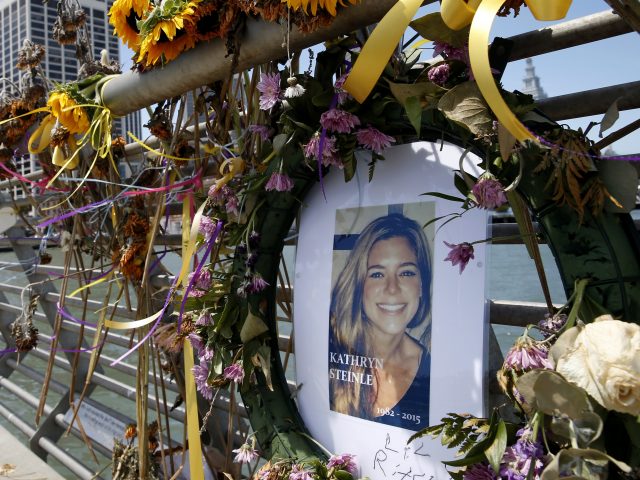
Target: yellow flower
168, 37
72, 116
124, 15
328, 5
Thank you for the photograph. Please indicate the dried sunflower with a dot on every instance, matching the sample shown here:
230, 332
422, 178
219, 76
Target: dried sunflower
124, 16
163, 31
328, 5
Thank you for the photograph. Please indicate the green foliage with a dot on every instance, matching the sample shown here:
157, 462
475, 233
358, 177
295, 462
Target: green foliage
432, 27
464, 105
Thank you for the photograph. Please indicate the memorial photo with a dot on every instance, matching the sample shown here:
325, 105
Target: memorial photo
380, 314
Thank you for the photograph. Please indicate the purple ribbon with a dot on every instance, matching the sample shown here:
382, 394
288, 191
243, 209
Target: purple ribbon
76, 211
68, 316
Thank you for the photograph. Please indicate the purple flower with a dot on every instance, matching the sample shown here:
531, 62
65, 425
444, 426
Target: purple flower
527, 354
479, 471
262, 130
205, 355
207, 227
219, 194
521, 457
280, 182
232, 204
196, 341
459, 254
257, 284
340, 121
450, 52
439, 74
489, 193
245, 454
204, 320
552, 324
330, 154
200, 283
200, 375
343, 462
234, 372
342, 94
269, 88
299, 473
373, 139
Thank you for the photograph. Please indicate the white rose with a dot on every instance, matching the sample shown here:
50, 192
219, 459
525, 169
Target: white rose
603, 359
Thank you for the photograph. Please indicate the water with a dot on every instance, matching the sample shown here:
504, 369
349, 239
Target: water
512, 276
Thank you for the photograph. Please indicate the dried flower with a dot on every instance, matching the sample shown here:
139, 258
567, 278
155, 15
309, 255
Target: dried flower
294, 89
201, 376
299, 473
245, 454
343, 462
489, 193
527, 354
373, 139
342, 94
439, 74
204, 320
205, 355
552, 324
479, 471
269, 88
196, 341
257, 284
200, 283
340, 121
280, 182
330, 154
262, 130
234, 372
130, 431
460, 254
207, 227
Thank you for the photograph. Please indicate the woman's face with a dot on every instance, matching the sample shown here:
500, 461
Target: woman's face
393, 286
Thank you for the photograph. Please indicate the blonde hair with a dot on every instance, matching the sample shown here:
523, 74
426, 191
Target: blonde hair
349, 326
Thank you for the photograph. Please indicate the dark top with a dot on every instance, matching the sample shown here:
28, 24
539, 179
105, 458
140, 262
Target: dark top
412, 411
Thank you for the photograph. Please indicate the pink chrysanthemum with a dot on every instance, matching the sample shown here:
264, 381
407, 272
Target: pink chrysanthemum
343, 462
373, 139
280, 182
234, 372
526, 355
460, 254
207, 227
269, 88
340, 121
489, 193
439, 74
299, 473
200, 375
245, 454
330, 155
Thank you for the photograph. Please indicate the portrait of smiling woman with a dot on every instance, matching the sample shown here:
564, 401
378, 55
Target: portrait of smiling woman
379, 368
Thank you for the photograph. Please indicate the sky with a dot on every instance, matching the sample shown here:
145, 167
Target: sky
595, 65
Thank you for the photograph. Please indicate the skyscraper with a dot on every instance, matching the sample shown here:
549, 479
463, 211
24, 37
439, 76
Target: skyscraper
34, 20
532, 82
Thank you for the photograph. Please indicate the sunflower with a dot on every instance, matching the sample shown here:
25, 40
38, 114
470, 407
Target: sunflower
212, 19
124, 16
71, 115
328, 5
164, 32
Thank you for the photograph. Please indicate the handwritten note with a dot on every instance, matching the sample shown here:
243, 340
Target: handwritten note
99, 426
397, 460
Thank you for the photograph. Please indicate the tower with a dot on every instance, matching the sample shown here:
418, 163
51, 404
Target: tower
532, 82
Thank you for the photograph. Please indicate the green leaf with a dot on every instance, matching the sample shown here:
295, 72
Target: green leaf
349, 162
610, 117
496, 450
554, 394
464, 105
252, 327
342, 475
444, 196
423, 91
414, 112
432, 27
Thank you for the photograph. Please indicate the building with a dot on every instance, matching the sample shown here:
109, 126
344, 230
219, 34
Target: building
532, 82
34, 20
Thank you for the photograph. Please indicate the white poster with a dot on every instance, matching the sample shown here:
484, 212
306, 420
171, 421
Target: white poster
389, 337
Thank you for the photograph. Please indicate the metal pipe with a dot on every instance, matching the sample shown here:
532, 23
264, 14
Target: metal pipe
209, 62
580, 31
591, 102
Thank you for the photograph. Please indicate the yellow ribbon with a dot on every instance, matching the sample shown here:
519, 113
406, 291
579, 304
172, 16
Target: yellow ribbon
479, 56
378, 49
235, 166
457, 14
549, 10
42, 134
193, 427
